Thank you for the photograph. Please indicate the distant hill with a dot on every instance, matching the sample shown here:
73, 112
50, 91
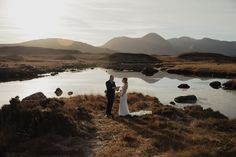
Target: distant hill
35, 51
155, 44
186, 44
132, 58
151, 43
64, 44
200, 56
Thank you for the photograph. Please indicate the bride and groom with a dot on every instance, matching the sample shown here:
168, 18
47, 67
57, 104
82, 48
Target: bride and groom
111, 88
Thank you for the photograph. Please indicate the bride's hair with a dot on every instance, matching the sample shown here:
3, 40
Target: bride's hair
125, 80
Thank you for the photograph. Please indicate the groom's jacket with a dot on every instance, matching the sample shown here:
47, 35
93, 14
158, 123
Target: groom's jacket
110, 90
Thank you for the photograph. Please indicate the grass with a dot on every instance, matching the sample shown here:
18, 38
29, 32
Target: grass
168, 131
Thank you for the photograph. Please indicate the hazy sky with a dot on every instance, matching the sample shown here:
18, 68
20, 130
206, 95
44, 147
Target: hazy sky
96, 21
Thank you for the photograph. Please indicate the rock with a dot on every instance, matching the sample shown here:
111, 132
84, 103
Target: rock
230, 85
184, 86
198, 112
149, 71
172, 103
70, 93
15, 101
215, 84
32, 101
54, 73
186, 99
58, 92
209, 113
35, 97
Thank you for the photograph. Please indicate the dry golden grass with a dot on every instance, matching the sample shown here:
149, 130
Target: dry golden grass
159, 134
224, 67
196, 65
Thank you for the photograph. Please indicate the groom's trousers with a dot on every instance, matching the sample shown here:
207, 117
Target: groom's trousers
110, 101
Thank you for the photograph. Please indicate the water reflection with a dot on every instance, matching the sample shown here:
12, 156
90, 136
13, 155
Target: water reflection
151, 79
161, 85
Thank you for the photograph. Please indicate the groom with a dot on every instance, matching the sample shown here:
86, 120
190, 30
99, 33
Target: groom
110, 93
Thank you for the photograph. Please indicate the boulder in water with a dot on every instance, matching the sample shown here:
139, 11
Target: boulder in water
215, 84
186, 99
70, 93
184, 86
58, 92
172, 103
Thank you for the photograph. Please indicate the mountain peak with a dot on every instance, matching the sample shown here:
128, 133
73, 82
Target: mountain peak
186, 38
152, 36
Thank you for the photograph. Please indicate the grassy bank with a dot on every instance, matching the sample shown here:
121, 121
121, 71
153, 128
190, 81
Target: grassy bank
76, 126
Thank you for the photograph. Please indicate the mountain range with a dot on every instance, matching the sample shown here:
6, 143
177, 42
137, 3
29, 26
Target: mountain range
60, 44
151, 43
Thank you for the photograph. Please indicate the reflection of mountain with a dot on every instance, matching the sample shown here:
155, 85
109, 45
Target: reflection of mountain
151, 79
121, 74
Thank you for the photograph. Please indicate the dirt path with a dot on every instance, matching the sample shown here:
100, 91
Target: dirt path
105, 133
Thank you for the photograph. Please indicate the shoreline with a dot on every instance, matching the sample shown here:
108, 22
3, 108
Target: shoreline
32, 73
32, 66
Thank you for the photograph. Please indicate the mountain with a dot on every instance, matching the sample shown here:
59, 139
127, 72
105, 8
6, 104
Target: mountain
151, 43
24, 51
155, 44
62, 44
186, 44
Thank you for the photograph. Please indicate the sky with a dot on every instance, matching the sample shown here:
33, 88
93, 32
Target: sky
97, 21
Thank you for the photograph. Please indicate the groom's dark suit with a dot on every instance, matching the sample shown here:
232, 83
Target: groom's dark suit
110, 93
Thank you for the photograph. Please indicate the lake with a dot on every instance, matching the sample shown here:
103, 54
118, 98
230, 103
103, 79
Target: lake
92, 81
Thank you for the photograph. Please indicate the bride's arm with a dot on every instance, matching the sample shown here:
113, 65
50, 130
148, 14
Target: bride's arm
124, 90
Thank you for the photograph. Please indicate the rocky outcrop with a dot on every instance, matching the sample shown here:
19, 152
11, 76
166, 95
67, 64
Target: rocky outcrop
184, 86
149, 71
35, 97
198, 112
186, 99
22, 124
230, 85
215, 84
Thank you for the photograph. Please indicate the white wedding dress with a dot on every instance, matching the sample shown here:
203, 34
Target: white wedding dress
123, 106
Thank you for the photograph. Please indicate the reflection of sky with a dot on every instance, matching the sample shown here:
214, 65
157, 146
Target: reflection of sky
93, 82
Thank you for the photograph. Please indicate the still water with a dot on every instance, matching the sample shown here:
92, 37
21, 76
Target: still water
92, 81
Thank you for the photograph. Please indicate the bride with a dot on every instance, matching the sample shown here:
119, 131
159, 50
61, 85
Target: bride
123, 106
